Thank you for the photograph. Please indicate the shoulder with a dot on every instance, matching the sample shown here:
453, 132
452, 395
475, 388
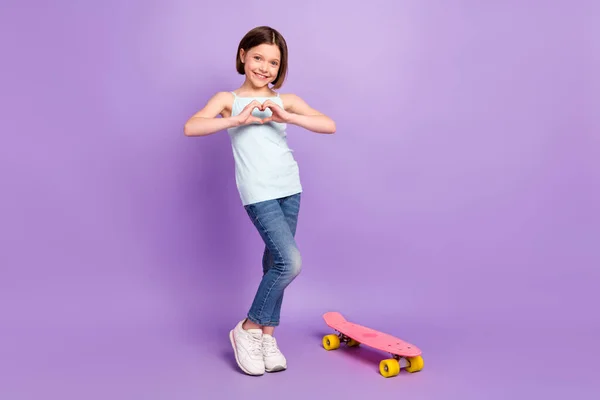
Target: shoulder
291, 100
223, 96
222, 99
289, 97
296, 104
218, 103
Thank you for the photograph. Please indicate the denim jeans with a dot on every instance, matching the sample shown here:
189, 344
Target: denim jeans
276, 222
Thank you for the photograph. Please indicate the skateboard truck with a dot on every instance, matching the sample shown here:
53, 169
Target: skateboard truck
349, 341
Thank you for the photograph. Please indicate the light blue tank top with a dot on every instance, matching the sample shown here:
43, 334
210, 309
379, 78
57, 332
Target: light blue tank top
265, 167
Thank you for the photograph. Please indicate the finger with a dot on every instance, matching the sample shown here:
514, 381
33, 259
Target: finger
252, 105
247, 111
268, 104
272, 104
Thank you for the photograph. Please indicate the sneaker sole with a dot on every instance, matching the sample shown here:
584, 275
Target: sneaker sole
276, 368
236, 356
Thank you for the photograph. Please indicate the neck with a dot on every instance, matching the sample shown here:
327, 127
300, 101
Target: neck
249, 88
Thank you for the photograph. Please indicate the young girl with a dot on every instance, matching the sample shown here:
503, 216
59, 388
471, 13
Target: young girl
267, 178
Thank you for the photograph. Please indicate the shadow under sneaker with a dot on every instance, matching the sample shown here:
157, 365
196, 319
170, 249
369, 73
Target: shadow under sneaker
247, 346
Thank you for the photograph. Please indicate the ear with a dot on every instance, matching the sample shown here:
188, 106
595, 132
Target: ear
242, 54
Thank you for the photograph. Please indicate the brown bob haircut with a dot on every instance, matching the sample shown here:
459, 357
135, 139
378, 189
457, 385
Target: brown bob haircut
264, 35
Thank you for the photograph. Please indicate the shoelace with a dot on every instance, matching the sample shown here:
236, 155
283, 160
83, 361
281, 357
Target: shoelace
270, 347
254, 345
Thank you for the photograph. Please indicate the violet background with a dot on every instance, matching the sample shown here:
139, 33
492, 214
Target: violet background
456, 207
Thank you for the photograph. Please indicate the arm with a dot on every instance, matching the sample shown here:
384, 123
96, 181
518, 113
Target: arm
303, 115
205, 121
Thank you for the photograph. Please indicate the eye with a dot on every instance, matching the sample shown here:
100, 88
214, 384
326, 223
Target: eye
256, 58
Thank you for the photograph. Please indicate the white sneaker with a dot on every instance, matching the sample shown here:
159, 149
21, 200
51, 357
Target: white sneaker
247, 346
274, 360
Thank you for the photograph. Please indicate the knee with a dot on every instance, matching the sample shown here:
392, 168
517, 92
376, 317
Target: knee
295, 264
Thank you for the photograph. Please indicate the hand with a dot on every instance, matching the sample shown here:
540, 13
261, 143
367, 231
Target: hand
245, 117
279, 114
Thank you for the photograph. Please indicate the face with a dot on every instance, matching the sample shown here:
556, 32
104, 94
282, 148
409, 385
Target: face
261, 64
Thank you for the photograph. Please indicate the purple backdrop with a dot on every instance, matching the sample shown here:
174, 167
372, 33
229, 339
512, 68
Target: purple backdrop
457, 206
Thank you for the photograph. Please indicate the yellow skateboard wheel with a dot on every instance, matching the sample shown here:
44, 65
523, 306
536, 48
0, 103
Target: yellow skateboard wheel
352, 343
415, 364
331, 342
389, 368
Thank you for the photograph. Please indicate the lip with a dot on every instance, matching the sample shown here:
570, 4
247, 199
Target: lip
264, 78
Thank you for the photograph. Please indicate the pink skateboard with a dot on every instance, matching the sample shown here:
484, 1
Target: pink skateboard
404, 355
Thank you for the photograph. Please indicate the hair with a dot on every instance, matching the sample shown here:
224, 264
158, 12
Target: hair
264, 35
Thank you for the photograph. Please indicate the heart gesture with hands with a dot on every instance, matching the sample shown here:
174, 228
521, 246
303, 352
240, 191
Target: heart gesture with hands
278, 114
245, 117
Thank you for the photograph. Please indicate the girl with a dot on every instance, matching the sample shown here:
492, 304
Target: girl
267, 178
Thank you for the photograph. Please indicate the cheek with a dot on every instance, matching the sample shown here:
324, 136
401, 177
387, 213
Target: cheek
249, 65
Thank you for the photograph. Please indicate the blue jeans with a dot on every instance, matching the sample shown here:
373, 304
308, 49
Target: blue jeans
276, 222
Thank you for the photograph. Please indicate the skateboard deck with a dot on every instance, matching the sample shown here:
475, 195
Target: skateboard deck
404, 355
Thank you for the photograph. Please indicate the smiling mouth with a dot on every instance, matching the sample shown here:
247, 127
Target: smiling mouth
260, 76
